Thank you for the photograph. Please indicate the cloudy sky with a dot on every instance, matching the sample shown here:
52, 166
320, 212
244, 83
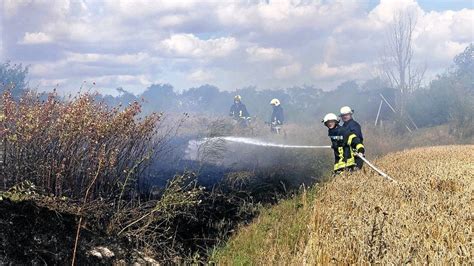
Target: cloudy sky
230, 44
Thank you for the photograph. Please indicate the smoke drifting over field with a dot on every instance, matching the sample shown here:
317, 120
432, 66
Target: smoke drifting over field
214, 158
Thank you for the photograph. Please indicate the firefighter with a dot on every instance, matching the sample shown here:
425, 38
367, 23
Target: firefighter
277, 117
352, 126
277, 114
343, 143
238, 111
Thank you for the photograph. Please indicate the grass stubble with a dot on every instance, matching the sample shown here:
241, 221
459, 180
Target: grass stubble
426, 217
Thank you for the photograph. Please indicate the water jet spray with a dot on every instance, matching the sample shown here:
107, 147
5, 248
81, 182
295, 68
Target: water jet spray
194, 144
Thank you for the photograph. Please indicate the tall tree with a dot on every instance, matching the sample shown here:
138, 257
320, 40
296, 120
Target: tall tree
397, 60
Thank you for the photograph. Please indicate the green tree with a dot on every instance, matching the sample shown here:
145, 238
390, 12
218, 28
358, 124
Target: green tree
465, 62
13, 78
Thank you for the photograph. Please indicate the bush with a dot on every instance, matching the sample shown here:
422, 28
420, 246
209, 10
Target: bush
64, 146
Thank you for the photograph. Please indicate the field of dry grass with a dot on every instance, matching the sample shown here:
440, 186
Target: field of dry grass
427, 217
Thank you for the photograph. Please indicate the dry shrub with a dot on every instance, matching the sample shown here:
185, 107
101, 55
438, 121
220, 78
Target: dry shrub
425, 218
61, 145
152, 225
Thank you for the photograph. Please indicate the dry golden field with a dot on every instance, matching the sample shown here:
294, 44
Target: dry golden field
427, 217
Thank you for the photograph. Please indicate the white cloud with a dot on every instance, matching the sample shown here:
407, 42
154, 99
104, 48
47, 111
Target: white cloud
123, 59
324, 71
200, 76
437, 38
257, 53
15, 8
50, 82
87, 63
146, 8
264, 43
121, 79
287, 71
36, 38
43, 69
172, 20
286, 15
387, 9
188, 45
442, 35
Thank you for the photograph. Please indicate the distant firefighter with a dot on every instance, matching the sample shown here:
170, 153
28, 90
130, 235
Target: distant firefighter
343, 142
238, 109
352, 126
239, 112
277, 118
277, 114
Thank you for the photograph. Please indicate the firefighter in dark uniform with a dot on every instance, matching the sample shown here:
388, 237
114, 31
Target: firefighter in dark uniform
277, 113
352, 126
239, 112
277, 118
343, 143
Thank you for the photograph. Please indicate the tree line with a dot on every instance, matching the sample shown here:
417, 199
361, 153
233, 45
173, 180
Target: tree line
446, 99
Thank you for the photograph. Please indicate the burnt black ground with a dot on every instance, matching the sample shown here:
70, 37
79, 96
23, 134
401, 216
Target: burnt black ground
33, 235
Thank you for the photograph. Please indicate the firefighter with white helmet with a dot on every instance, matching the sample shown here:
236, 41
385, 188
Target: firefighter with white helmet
277, 113
346, 110
352, 126
343, 143
277, 118
239, 111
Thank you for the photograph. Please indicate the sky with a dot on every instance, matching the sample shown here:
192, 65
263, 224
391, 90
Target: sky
230, 44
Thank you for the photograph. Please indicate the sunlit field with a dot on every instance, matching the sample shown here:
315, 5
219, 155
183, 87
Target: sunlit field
425, 217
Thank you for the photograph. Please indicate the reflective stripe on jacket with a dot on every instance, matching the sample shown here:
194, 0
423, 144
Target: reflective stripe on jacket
354, 127
343, 144
277, 115
238, 110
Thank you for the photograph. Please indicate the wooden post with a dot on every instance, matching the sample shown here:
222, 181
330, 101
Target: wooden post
378, 113
389, 105
411, 120
393, 110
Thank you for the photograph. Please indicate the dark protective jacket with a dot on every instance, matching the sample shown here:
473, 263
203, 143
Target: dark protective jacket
354, 127
343, 144
277, 115
238, 110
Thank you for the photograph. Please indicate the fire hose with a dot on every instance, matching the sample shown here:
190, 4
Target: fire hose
361, 156
250, 141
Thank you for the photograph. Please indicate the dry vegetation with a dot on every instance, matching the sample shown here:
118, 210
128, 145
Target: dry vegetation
66, 147
427, 217
83, 159
89, 162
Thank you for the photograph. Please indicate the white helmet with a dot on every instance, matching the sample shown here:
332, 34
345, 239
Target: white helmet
346, 110
275, 102
329, 117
